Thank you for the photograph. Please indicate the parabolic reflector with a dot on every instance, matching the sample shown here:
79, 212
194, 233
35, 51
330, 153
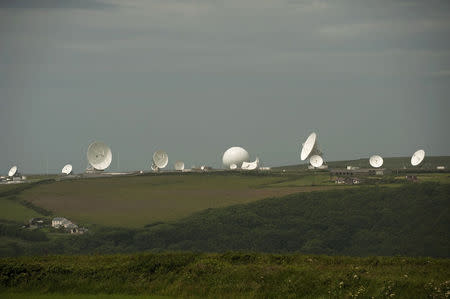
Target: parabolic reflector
67, 169
160, 159
316, 161
376, 161
309, 147
12, 171
417, 157
250, 165
179, 165
99, 155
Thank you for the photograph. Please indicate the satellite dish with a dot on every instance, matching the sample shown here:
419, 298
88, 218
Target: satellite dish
310, 147
67, 169
12, 171
179, 165
376, 161
250, 165
233, 166
316, 161
160, 159
417, 157
99, 155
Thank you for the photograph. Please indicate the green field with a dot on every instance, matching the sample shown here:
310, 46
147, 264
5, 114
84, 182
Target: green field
411, 219
228, 275
134, 201
14, 211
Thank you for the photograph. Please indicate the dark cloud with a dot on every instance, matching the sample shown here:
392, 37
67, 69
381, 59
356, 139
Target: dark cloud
54, 4
194, 77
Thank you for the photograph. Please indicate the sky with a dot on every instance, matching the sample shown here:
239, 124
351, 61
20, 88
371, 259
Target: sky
195, 77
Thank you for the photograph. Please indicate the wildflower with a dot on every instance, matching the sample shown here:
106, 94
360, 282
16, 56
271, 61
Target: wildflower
355, 276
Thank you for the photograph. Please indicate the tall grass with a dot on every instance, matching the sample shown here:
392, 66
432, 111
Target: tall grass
228, 275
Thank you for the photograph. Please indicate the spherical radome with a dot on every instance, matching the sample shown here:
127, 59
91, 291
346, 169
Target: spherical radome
235, 155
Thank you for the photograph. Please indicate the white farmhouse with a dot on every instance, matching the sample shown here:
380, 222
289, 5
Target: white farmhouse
61, 221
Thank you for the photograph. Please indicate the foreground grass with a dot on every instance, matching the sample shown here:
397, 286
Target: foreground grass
228, 275
78, 296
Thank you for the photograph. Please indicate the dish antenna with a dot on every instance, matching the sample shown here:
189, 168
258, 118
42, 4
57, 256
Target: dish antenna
376, 161
417, 157
12, 171
310, 147
99, 155
160, 160
179, 165
67, 169
316, 161
250, 165
233, 166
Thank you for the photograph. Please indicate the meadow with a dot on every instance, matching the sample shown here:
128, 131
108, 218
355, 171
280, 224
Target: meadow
134, 201
411, 219
15, 211
164, 225
227, 275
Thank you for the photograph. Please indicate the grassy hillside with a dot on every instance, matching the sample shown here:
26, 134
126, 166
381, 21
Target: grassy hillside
14, 211
410, 220
133, 201
229, 275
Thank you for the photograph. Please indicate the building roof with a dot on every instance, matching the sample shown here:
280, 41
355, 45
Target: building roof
59, 219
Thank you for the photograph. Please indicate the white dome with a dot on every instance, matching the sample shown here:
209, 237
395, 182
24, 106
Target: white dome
235, 155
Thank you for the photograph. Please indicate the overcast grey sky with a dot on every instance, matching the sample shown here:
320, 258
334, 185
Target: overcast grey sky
194, 77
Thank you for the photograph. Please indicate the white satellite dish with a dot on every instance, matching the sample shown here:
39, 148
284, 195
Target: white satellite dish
417, 157
233, 166
250, 165
376, 161
99, 155
316, 161
12, 171
67, 169
179, 165
310, 147
160, 159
